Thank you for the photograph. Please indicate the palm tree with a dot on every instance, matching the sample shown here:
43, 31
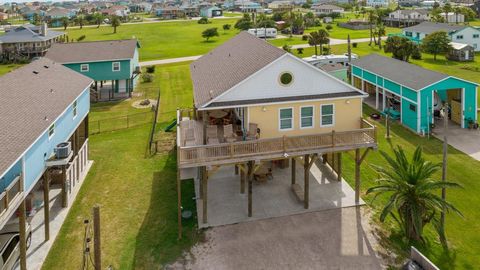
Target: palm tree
457, 10
80, 20
115, 21
323, 38
380, 33
371, 20
64, 21
314, 40
414, 199
98, 17
447, 8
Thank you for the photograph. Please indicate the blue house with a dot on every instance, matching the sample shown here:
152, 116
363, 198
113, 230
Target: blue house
113, 64
414, 95
211, 12
44, 135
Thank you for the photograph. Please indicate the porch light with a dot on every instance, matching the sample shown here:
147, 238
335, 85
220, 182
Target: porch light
347, 101
264, 109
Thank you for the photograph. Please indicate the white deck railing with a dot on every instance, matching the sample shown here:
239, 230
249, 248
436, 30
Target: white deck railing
77, 168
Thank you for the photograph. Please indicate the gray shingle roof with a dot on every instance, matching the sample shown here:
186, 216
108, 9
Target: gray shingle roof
229, 64
401, 72
28, 99
430, 27
28, 33
79, 52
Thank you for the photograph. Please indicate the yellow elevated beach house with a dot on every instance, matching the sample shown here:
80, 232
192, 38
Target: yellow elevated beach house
257, 107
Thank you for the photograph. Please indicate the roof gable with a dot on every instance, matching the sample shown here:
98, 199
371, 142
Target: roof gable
308, 81
230, 63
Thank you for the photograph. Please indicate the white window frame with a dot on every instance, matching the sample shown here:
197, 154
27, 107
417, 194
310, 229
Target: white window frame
333, 115
301, 116
113, 66
84, 65
280, 119
459, 37
75, 109
51, 128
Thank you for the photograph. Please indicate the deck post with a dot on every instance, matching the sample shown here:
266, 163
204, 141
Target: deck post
306, 163
200, 182
204, 119
64, 187
339, 169
250, 183
22, 232
46, 203
205, 194
294, 170
242, 182
357, 175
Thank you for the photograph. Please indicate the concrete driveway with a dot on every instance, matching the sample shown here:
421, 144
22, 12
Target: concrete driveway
465, 140
330, 239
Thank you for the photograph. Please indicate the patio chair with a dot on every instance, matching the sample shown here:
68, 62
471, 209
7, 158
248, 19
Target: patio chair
228, 134
212, 134
253, 132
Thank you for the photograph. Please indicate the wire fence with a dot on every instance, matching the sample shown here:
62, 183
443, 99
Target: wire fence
121, 122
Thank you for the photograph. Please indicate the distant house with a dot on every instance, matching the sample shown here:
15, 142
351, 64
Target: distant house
55, 15
457, 33
45, 107
113, 65
409, 3
461, 52
453, 17
120, 11
246, 6
337, 70
406, 17
3, 16
169, 13
326, 9
377, 3
28, 41
476, 7
211, 12
281, 6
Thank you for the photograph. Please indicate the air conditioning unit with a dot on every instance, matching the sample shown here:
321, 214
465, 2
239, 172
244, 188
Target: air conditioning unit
63, 150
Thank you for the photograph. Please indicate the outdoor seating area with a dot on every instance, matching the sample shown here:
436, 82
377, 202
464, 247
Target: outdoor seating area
272, 193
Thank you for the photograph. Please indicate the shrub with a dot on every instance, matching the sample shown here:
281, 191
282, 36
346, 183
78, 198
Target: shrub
150, 69
287, 48
203, 20
416, 53
300, 50
146, 78
305, 37
354, 44
328, 27
318, 22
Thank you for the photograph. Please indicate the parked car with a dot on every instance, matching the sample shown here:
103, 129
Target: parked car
10, 245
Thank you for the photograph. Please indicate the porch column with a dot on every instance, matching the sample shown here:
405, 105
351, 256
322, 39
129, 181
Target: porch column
86, 126
22, 232
179, 202
376, 96
339, 170
242, 182
250, 183
363, 85
383, 99
205, 194
306, 185
46, 203
294, 165
77, 141
205, 116
64, 187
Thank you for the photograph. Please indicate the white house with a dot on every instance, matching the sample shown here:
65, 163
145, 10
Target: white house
453, 17
377, 3
458, 33
406, 17
325, 9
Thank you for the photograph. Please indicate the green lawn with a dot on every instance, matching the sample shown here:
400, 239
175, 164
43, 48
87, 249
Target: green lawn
7, 68
137, 196
163, 39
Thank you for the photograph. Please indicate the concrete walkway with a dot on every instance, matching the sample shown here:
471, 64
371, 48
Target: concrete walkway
195, 57
332, 239
39, 248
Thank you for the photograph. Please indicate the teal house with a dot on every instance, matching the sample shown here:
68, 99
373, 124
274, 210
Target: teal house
414, 95
113, 65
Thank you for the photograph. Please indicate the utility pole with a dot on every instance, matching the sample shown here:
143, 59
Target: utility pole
444, 166
97, 252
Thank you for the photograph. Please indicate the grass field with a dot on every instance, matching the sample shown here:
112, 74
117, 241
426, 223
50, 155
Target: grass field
163, 39
7, 68
137, 196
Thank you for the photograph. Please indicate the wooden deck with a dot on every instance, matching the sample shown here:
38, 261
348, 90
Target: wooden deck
196, 154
